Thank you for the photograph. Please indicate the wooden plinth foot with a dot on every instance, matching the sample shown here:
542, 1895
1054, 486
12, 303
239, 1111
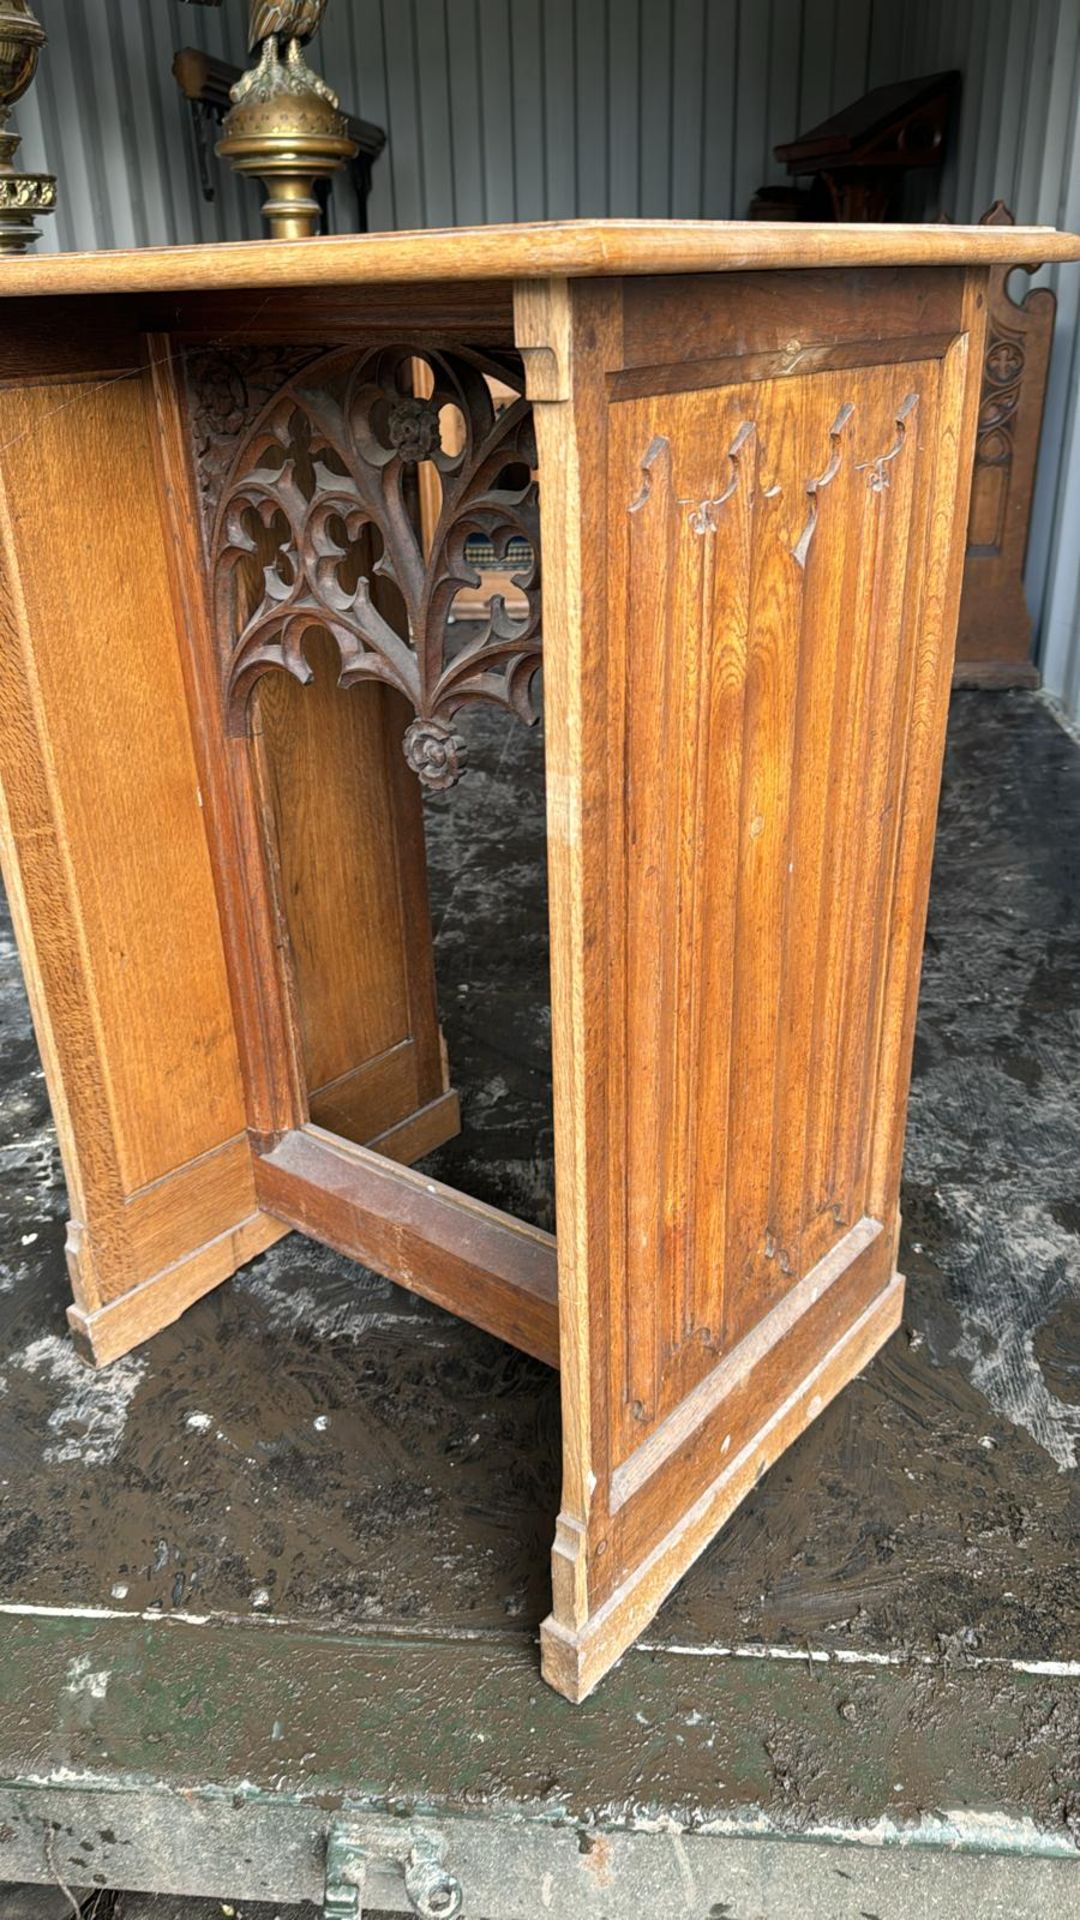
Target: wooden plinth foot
121, 1324
574, 1662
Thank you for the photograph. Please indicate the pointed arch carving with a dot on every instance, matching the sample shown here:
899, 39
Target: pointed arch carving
326, 470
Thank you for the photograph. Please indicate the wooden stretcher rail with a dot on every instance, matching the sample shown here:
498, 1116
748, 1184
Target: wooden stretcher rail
497, 1272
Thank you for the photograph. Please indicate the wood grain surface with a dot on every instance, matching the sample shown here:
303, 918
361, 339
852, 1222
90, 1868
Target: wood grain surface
754, 488
747, 654
108, 866
543, 250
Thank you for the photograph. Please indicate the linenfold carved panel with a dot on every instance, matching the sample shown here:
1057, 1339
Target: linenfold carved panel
314, 525
761, 542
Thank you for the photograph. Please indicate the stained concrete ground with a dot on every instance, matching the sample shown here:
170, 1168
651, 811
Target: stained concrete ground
313, 1444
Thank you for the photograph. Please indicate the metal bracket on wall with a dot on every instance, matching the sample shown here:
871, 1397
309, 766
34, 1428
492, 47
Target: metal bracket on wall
433, 1892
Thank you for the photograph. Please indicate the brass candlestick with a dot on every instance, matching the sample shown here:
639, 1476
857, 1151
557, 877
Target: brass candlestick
285, 124
22, 195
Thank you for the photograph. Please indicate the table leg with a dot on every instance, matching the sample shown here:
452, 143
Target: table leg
747, 643
108, 869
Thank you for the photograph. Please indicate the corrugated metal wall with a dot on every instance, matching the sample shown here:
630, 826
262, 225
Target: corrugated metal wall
1019, 139
504, 109
495, 109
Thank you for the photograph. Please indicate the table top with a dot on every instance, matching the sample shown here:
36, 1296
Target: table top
550, 249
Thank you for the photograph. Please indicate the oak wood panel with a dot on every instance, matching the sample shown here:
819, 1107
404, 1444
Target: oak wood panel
544, 250
191, 1206
63, 336
273, 1098
745, 713
352, 873
316, 827
106, 664
106, 858
770, 499
434, 312
864, 308
494, 1271
66, 339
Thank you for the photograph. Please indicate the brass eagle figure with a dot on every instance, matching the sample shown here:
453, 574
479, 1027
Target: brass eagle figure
287, 20
271, 22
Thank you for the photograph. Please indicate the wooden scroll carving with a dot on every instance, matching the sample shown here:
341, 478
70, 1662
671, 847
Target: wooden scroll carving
324, 475
993, 644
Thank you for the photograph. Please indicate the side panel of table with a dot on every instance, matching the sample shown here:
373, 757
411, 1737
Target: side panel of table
314, 819
747, 655
135, 841
106, 860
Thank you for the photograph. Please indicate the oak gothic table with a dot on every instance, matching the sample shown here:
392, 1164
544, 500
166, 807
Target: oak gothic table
744, 454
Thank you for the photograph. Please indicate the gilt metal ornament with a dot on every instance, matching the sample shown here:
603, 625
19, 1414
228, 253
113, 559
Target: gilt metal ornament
23, 196
286, 125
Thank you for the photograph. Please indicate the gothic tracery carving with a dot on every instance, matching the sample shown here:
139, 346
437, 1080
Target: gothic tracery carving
226, 388
323, 474
1003, 375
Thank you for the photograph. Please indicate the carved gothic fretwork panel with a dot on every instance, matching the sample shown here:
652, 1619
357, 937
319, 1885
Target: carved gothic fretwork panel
315, 526
226, 389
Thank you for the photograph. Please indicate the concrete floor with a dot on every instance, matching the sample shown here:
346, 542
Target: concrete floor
315, 1449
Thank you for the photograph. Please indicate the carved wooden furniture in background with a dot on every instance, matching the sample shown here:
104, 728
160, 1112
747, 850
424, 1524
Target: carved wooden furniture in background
753, 489
860, 155
993, 642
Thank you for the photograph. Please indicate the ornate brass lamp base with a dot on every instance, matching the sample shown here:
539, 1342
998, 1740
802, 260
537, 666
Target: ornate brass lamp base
286, 127
288, 165
23, 196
